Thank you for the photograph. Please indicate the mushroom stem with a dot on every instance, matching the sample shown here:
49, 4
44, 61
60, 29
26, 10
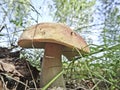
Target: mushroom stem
52, 65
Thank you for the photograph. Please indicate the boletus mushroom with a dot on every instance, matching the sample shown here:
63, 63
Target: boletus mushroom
57, 39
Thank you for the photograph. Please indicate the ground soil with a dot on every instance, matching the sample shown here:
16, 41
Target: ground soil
18, 74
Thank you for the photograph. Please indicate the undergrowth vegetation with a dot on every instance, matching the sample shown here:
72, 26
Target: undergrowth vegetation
95, 72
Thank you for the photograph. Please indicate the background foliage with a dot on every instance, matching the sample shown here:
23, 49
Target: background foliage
98, 21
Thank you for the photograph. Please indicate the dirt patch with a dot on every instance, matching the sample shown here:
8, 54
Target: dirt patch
16, 73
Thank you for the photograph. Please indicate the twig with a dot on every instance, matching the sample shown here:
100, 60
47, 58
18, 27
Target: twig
89, 26
32, 75
2, 28
15, 79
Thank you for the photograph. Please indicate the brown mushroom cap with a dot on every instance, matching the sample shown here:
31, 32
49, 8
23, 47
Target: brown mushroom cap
36, 36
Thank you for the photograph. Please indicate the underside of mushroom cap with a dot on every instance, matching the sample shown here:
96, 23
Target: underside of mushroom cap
36, 36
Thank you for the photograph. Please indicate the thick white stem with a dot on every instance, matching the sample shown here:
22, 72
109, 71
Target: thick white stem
52, 65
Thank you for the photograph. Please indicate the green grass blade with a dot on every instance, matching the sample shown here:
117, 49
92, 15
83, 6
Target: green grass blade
57, 76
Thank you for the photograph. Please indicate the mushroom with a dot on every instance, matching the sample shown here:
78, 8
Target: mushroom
57, 39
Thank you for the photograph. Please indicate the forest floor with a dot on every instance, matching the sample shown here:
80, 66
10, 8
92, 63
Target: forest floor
19, 74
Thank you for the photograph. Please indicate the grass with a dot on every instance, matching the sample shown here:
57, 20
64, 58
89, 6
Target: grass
99, 70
